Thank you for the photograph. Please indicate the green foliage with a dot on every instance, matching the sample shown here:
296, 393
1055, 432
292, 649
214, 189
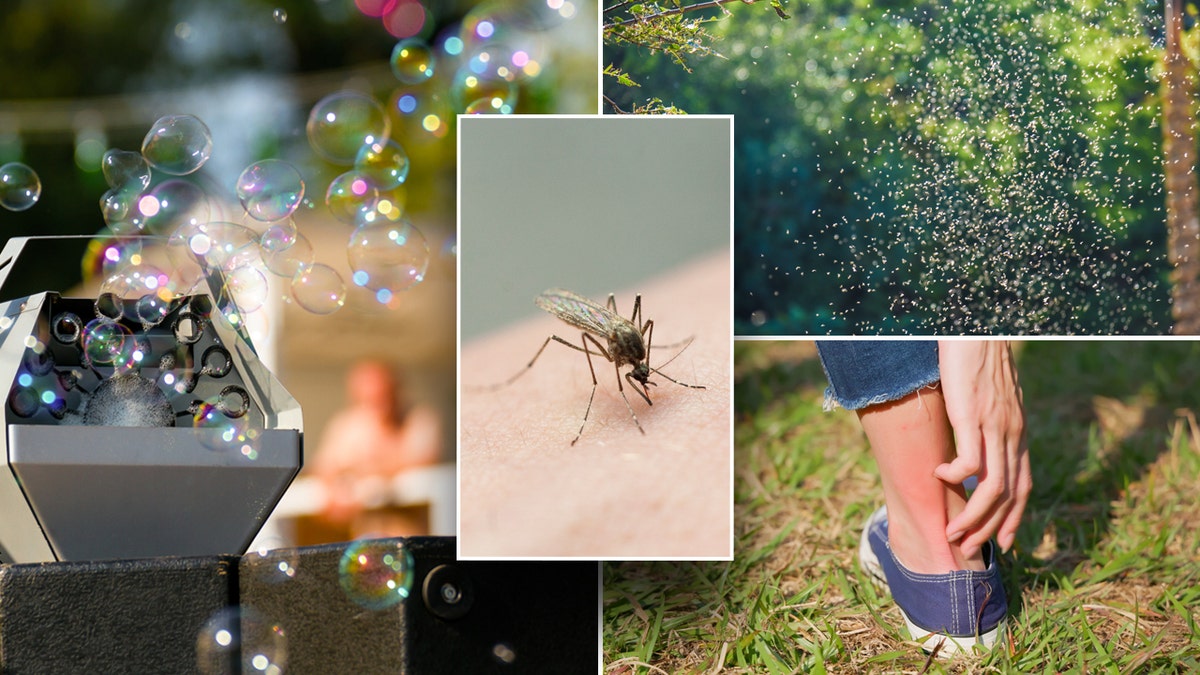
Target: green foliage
934, 166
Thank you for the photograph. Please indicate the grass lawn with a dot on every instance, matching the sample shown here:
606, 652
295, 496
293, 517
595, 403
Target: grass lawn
1104, 577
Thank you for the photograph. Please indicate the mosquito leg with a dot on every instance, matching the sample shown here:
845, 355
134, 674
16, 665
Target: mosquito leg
501, 385
612, 304
591, 397
637, 309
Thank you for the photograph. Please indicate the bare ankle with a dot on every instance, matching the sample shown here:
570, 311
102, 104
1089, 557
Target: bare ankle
924, 549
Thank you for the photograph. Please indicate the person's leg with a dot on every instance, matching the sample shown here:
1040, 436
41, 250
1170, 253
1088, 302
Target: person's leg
910, 437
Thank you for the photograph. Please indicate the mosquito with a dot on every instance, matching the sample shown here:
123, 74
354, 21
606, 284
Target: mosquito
628, 343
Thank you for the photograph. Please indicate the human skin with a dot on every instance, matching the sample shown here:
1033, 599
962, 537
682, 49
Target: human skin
984, 407
524, 490
910, 438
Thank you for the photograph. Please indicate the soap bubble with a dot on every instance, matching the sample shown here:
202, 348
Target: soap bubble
350, 195
279, 15
385, 164
125, 169
241, 640
343, 122
134, 289
480, 83
172, 204
319, 289
273, 561
118, 206
427, 114
177, 144
270, 190
412, 61
104, 340
286, 254
248, 288
20, 186
221, 432
376, 573
387, 257
106, 253
215, 245
278, 235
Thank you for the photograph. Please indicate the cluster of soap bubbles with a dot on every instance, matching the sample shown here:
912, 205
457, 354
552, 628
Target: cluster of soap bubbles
478, 66
386, 252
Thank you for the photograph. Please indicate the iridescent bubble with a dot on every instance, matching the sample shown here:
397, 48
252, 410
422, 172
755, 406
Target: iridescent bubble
177, 144
385, 164
270, 190
273, 561
220, 432
215, 245
350, 195
247, 287
278, 236
388, 208
488, 106
427, 114
450, 246
343, 122
104, 340
492, 16
119, 252
376, 573
412, 61
241, 640
319, 289
387, 258
118, 208
125, 169
130, 286
173, 204
478, 83
152, 309
279, 15
285, 256
20, 186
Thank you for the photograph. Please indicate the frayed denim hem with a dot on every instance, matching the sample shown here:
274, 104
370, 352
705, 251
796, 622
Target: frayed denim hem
833, 403
871, 372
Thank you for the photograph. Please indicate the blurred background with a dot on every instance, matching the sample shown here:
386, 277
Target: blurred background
82, 78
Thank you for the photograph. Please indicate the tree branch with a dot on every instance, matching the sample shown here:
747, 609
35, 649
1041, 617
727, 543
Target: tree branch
707, 4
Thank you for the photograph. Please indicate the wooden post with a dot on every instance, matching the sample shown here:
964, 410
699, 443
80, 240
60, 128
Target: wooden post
1179, 145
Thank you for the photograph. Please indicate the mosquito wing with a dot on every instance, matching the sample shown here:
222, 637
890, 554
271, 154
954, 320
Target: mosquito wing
579, 311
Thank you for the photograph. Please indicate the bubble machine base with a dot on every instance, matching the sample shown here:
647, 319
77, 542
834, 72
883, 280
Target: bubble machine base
231, 614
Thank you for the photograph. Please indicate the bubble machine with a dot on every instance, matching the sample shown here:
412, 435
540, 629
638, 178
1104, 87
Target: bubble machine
146, 444
129, 439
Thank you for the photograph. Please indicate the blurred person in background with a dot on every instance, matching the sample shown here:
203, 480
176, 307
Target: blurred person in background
378, 436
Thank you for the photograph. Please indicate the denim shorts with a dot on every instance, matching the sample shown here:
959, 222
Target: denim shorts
868, 372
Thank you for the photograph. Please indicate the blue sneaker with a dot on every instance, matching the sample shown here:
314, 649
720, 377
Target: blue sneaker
955, 611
